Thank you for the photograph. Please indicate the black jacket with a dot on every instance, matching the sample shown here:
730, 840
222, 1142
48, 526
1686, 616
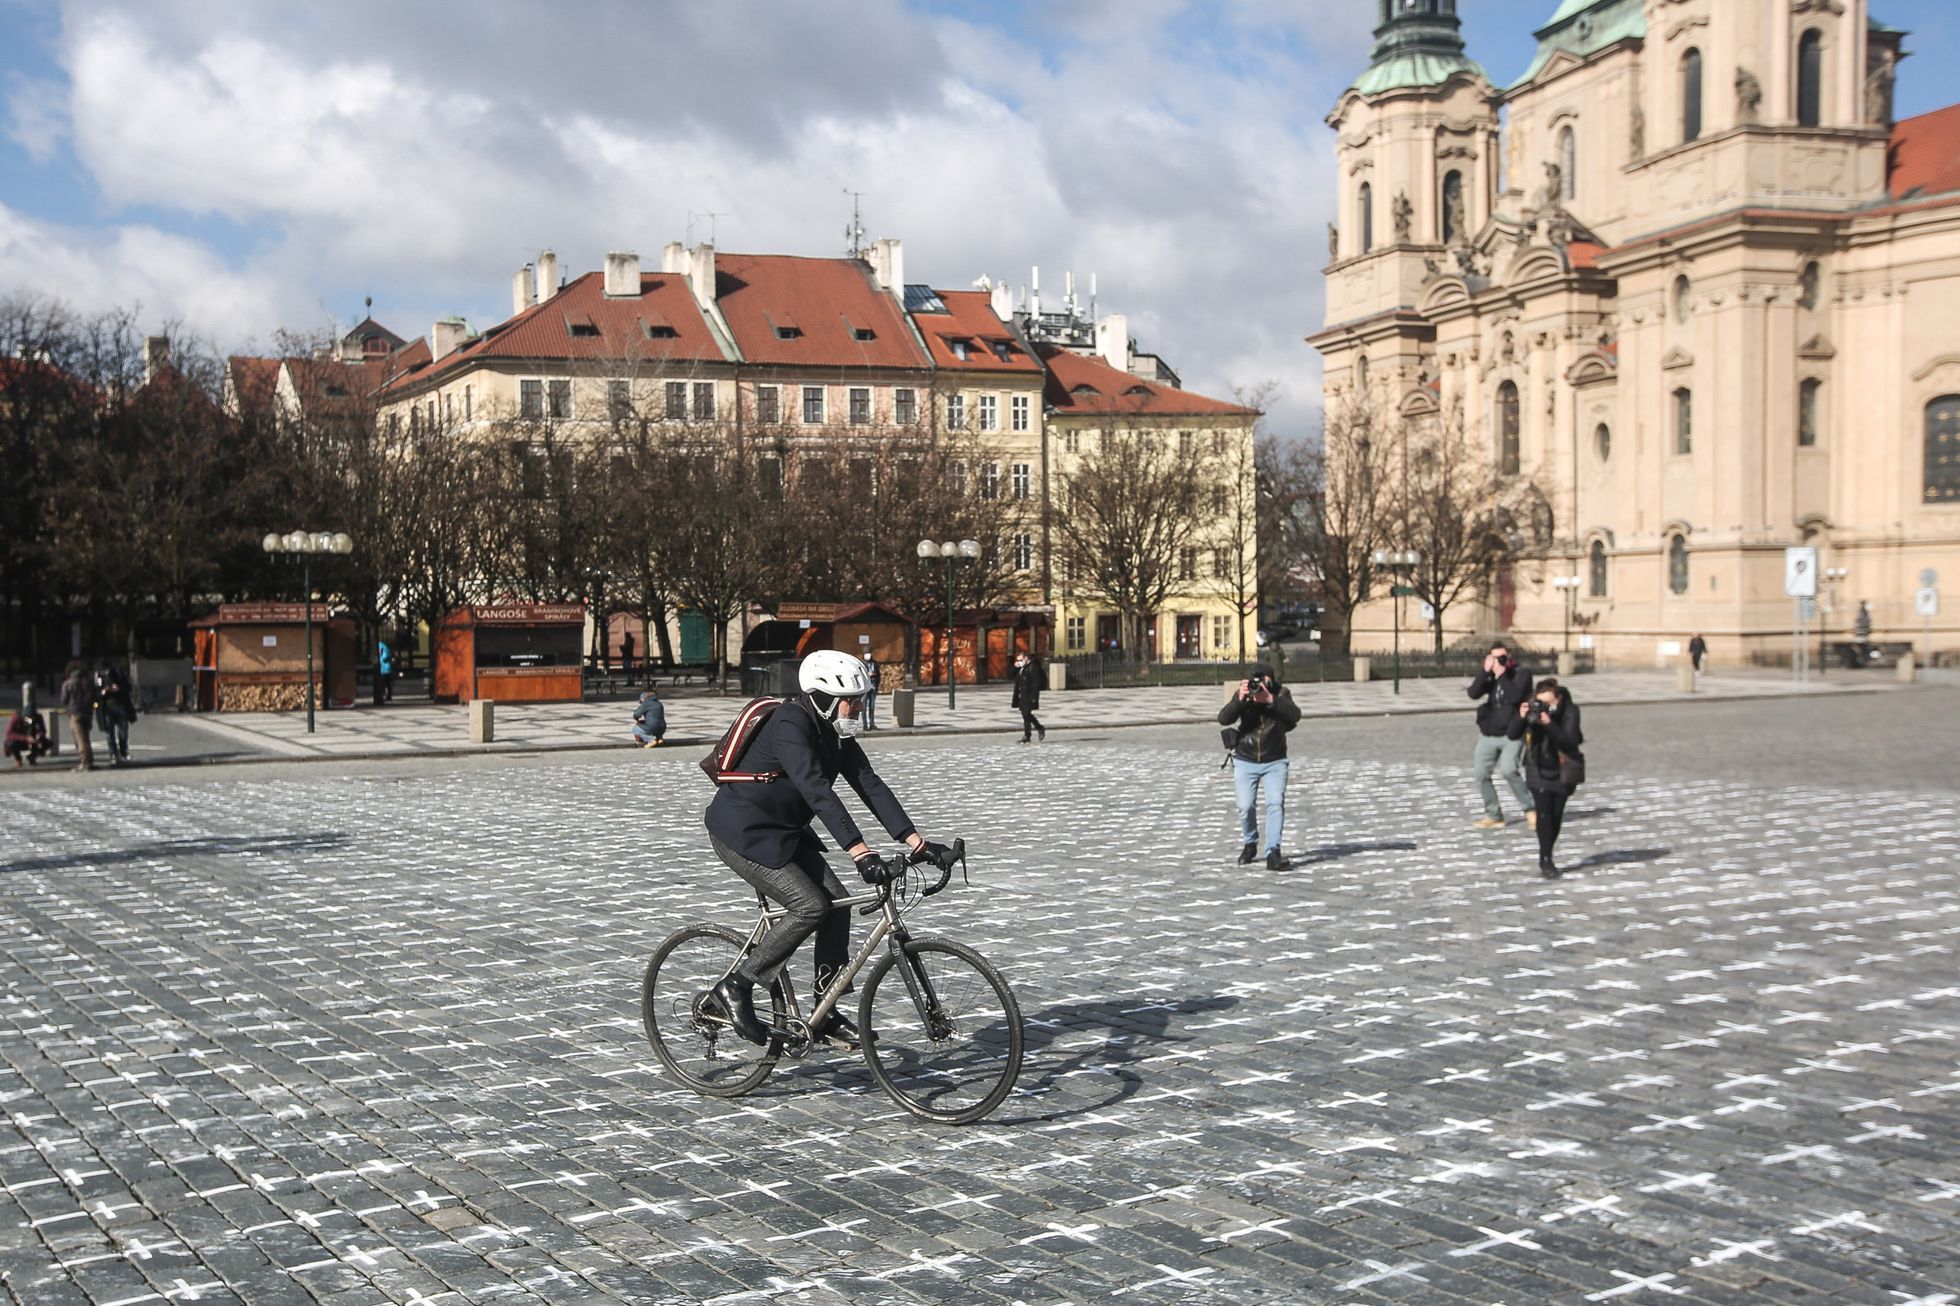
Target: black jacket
766, 822
1496, 713
1262, 726
1027, 686
1544, 743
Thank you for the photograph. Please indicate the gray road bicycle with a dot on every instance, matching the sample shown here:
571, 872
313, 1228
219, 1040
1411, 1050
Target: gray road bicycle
938, 1027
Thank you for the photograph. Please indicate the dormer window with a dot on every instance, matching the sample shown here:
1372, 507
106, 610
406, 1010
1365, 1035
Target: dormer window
584, 329
864, 333
1003, 351
659, 331
789, 333
960, 348
1141, 390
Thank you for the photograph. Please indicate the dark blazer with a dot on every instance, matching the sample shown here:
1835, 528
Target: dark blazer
1543, 744
767, 822
1027, 686
1262, 726
1496, 713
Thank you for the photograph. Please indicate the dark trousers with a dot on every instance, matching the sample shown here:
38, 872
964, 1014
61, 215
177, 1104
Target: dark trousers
1028, 724
807, 888
78, 726
115, 731
1550, 804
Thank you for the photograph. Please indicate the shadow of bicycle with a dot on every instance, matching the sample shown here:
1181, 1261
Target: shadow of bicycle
212, 846
1333, 852
1092, 1042
1620, 856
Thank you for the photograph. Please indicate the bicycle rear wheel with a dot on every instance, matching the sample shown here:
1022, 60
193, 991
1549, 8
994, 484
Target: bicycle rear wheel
703, 1052
942, 1032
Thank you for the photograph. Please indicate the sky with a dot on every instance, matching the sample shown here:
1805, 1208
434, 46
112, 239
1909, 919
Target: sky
233, 168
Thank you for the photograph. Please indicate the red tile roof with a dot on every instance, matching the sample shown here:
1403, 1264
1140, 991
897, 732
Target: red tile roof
1080, 384
828, 303
253, 381
582, 323
970, 317
1583, 253
1924, 157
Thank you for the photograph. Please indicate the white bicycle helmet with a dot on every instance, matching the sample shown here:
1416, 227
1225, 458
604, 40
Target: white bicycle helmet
828, 675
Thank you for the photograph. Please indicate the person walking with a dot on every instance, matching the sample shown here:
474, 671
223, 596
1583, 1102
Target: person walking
384, 672
1697, 650
115, 708
78, 701
1263, 711
1027, 696
1548, 726
871, 695
1503, 685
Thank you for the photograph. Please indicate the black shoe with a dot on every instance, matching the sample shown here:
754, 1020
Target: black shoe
1277, 861
736, 997
1041, 733
1547, 869
1248, 854
1026, 740
838, 1029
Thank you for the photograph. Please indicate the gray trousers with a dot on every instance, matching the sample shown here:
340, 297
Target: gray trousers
1497, 751
807, 887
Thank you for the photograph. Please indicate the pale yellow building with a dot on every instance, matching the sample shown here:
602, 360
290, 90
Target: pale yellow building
1696, 281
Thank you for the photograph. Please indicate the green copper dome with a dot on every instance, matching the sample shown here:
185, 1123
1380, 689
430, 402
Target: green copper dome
1418, 43
1581, 27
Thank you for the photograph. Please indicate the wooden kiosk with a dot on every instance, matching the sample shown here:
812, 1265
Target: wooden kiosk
251, 657
512, 653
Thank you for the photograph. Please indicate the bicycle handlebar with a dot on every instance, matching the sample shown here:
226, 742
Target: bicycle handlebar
953, 856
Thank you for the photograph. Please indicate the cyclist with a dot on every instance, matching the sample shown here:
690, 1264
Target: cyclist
763, 831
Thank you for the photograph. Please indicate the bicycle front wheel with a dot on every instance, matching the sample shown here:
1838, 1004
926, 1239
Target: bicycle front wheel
941, 1031
701, 1050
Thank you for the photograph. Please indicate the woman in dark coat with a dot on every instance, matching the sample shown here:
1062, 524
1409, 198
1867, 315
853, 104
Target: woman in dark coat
1548, 722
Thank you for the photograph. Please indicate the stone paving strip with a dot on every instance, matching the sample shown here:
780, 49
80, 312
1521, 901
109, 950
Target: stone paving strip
376, 1039
692, 718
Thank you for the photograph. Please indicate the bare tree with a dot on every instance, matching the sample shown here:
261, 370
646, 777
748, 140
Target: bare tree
1330, 503
725, 528
1235, 490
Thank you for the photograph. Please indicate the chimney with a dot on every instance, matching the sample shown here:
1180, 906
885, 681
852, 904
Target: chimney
701, 272
887, 259
1003, 302
547, 275
521, 290
156, 356
673, 257
1113, 341
445, 335
622, 275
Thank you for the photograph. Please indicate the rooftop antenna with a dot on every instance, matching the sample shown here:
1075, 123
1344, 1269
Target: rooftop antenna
1092, 297
693, 217
854, 234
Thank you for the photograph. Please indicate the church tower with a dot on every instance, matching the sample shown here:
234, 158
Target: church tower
1418, 173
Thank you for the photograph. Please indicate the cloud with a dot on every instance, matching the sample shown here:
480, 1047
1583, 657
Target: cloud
1175, 149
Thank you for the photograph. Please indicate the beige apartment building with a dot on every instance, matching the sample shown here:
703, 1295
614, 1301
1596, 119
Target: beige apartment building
1699, 283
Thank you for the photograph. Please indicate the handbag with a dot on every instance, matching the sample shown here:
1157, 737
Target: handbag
1572, 769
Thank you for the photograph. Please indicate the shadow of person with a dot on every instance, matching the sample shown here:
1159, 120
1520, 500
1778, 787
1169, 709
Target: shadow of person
1587, 813
211, 846
1091, 1042
1333, 852
1619, 856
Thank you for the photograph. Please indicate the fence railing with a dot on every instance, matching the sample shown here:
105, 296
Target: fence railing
1116, 671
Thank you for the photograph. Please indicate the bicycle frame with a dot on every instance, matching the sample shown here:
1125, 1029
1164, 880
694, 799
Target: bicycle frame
890, 926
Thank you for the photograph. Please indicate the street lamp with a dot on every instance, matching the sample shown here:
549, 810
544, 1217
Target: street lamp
1397, 563
1570, 586
1830, 576
964, 551
304, 544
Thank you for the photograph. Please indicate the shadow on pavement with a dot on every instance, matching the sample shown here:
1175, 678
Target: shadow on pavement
212, 846
1333, 852
1621, 855
1587, 813
1132, 1029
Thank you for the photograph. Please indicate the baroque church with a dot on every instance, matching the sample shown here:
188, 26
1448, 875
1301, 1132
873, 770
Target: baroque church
1688, 273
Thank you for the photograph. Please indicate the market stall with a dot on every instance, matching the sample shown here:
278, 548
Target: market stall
511, 653
251, 657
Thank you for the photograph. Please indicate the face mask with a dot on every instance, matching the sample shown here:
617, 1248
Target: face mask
847, 726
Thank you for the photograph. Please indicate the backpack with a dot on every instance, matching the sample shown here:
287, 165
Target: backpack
722, 760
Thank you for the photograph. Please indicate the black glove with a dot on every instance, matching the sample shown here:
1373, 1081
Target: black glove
938, 854
876, 870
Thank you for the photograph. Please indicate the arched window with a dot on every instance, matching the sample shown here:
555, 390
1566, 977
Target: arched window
1507, 429
1690, 96
1810, 285
1367, 217
1807, 412
1452, 207
1361, 373
1684, 298
1596, 565
1568, 163
1943, 450
1603, 441
1810, 78
1684, 421
1677, 564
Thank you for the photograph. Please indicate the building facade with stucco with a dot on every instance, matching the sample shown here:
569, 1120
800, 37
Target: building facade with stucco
1688, 273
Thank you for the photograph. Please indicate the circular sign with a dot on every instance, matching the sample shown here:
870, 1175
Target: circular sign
1928, 578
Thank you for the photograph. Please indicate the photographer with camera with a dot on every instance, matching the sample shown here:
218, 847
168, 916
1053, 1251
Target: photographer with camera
1261, 713
1548, 726
1504, 685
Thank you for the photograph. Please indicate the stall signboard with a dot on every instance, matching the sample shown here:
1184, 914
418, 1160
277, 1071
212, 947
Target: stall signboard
529, 614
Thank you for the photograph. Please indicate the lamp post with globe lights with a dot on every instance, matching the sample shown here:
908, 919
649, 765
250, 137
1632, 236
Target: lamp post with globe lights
963, 551
1568, 588
1832, 577
303, 545
1398, 563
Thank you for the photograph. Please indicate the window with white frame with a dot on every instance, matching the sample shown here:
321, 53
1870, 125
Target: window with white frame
768, 405
959, 479
676, 408
561, 399
1071, 442
704, 401
1221, 633
1019, 412
860, 405
989, 413
956, 412
1187, 563
905, 406
813, 405
1078, 634
466, 404
619, 400
1023, 551
1221, 563
1021, 480
530, 400
990, 480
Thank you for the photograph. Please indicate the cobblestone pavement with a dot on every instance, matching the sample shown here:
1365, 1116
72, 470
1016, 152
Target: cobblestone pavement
409, 728
292, 1033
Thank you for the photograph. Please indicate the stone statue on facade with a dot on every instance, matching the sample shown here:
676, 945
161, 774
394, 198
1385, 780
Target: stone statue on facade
1454, 217
1878, 89
1405, 216
1333, 242
1554, 198
1748, 95
1431, 269
1637, 133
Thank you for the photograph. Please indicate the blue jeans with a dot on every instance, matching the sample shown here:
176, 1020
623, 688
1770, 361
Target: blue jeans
1248, 777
